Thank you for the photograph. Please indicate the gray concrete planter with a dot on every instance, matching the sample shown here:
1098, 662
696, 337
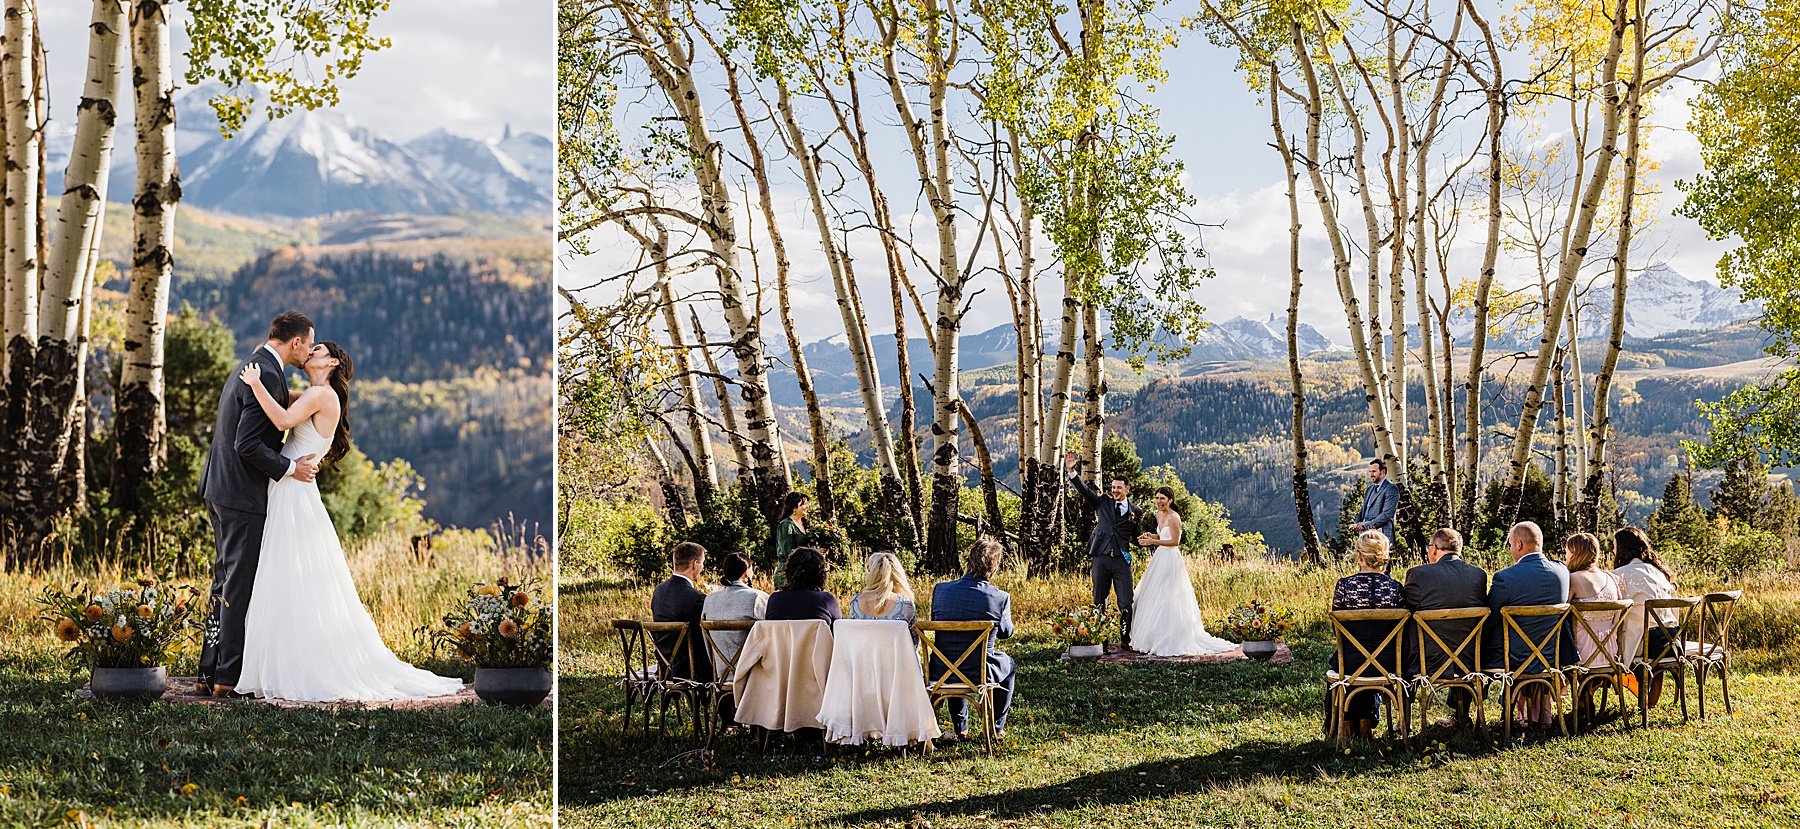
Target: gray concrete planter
142, 684
517, 687
1086, 651
1259, 649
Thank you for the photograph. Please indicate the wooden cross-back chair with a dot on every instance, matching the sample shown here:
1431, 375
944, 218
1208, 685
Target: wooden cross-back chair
640, 677
1608, 665
1712, 653
966, 676
680, 690
723, 685
1541, 664
1372, 670
1459, 665
1666, 653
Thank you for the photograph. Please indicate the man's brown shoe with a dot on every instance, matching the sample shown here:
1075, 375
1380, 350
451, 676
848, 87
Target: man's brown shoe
223, 691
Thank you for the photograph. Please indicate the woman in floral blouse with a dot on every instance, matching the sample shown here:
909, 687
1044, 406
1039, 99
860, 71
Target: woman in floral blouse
1368, 588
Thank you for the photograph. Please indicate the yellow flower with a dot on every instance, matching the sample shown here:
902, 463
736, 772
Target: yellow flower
242, 801
189, 788
67, 630
509, 628
121, 632
145, 612
127, 587
487, 590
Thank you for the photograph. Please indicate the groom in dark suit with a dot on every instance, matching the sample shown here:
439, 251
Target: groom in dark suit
1116, 523
244, 457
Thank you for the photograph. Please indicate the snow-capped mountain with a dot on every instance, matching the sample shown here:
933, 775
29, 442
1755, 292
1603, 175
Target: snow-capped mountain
1242, 338
485, 170
316, 163
1658, 301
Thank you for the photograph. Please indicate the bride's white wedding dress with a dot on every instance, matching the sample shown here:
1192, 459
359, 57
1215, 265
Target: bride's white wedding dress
1166, 618
307, 636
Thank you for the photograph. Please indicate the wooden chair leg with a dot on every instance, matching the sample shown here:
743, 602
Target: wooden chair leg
1725, 685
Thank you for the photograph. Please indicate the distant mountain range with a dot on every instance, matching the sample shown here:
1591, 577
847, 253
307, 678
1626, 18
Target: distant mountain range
1659, 301
319, 163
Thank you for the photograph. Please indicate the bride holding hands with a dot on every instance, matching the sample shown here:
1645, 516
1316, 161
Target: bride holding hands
1167, 620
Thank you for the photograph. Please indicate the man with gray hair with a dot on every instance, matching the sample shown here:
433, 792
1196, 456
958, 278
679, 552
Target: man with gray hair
1445, 582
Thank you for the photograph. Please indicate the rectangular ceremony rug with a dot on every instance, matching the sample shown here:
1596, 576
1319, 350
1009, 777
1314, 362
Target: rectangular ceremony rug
1116, 653
185, 690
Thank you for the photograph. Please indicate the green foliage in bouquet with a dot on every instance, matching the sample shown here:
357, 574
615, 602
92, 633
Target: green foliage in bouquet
1083, 625
501, 625
128, 626
1258, 622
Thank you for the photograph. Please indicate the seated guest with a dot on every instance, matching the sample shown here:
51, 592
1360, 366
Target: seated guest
1589, 583
678, 600
802, 595
1369, 588
973, 598
734, 601
886, 593
1445, 582
1642, 575
1531, 580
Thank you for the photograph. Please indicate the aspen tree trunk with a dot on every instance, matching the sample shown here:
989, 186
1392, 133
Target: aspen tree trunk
1309, 531
1600, 425
21, 260
1435, 443
706, 467
728, 419
1494, 91
140, 423
1093, 408
1340, 258
666, 53
1572, 258
68, 274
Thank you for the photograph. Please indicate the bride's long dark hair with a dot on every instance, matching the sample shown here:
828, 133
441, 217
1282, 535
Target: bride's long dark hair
339, 380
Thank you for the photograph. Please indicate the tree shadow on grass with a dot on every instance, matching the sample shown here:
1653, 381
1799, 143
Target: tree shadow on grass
1234, 765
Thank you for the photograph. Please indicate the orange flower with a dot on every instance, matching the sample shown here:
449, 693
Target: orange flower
509, 628
501, 581
121, 633
521, 599
67, 630
144, 611
487, 590
466, 631
94, 613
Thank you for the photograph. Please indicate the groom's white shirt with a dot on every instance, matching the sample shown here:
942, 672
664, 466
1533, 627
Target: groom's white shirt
292, 465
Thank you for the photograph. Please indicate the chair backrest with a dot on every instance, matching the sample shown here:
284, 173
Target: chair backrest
631, 647
955, 675
1716, 610
1440, 626
1549, 638
675, 634
1358, 628
1608, 646
1673, 644
724, 664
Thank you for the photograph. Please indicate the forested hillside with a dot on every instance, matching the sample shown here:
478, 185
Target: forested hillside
451, 343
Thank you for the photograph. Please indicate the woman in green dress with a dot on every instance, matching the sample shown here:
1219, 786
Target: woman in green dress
790, 531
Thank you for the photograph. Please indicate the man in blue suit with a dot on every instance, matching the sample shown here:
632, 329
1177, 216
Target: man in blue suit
973, 598
1531, 580
1380, 502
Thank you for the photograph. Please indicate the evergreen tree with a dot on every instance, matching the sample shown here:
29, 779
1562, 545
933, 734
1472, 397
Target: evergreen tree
1740, 496
1678, 523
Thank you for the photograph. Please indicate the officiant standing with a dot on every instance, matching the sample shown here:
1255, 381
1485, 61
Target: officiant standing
1117, 522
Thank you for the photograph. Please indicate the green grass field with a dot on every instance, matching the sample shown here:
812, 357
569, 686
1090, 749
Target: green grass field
69, 761
1191, 745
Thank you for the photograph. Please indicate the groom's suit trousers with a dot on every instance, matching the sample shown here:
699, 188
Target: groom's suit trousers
237, 536
1113, 575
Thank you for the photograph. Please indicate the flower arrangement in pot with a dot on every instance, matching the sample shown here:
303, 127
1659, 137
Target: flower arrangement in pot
122, 634
1085, 629
1258, 625
508, 631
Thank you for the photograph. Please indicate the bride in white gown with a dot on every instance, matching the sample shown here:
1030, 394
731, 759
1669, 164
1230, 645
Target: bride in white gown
1166, 620
306, 634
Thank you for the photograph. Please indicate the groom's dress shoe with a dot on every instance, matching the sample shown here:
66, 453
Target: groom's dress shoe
205, 689
226, 691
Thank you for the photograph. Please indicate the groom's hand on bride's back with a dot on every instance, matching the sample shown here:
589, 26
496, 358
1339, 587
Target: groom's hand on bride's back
306, 468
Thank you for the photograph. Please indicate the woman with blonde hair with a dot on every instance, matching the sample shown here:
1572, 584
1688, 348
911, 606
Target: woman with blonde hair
1369, 588
886, 593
